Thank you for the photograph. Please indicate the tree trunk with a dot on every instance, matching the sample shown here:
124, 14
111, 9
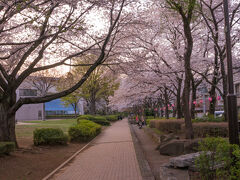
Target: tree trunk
212, 104
212, 92
188, 77
174, 112
179, 106
194, 97
187, 116
166, 103
93, 107
7, 122
224, 82
75, 110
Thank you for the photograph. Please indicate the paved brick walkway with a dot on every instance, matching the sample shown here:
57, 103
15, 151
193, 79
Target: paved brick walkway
110, 157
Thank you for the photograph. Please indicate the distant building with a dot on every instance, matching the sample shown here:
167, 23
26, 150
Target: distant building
36, 111
203, 101
56, 107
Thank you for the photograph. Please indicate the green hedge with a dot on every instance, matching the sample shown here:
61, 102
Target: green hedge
49, 136
169, 126
6, 147
60, 116
97, 119
200, 129
210, 129
111, 118
84, 131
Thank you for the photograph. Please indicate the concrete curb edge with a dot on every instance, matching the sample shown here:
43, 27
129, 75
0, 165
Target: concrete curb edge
143, 163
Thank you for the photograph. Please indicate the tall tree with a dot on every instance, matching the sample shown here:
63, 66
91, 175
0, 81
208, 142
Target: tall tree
100, 85
186, 10
47, 30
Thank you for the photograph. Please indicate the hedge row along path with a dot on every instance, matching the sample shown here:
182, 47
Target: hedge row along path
110, 156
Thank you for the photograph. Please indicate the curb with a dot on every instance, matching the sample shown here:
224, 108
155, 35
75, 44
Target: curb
67, 161
143, 163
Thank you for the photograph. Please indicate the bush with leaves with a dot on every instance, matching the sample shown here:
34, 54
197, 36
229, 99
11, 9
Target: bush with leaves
49, 136
84, 131
215, 160
97, 119
6, 147
111, 118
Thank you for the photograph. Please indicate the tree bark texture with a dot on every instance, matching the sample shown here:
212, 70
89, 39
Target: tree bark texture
179, 105
188, 74
7, 119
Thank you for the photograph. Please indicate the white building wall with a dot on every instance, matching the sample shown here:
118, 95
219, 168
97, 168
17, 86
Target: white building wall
28, 111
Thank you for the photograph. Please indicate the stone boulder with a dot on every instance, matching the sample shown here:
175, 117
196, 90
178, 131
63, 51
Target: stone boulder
168, 137
167, 173
184, 161
191, 146
178, 147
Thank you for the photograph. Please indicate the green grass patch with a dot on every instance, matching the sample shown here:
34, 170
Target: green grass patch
26, 131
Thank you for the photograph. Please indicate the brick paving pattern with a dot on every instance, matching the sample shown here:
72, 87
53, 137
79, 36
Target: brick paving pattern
110, 157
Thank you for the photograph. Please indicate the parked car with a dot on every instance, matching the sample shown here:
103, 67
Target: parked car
218, 114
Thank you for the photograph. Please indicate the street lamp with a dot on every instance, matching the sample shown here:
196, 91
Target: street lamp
231, 97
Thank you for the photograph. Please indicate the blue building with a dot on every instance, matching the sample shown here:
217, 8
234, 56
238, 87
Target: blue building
56, 107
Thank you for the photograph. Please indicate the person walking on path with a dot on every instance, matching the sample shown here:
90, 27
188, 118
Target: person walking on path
137, 119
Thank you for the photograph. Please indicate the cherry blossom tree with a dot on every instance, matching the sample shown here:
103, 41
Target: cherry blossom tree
52, 31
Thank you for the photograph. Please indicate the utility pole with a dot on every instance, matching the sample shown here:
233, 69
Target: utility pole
231, 97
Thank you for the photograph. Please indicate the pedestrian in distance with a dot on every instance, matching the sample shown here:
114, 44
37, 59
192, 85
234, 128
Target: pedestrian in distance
137, 119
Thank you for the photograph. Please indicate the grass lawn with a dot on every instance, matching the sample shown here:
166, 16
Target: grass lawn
26, 131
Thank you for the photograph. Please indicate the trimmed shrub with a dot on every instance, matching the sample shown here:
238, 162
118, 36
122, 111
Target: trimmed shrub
97, 119
91, 125
152, 124
87, 116
49, 136
6, 147
169, 126
210, 129
64, 116
84, 131
111, 118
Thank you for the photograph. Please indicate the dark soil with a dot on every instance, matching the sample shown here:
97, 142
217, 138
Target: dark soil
32, 163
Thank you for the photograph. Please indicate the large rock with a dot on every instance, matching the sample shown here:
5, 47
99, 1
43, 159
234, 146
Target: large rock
191, 146
166, 173
172, 148
168, 137
184, 161
178, 147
